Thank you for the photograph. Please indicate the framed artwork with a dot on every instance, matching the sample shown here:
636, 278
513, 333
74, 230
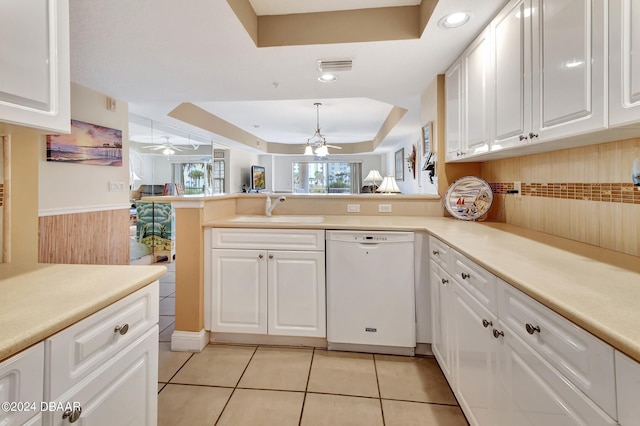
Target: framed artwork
86, 144
400, 164
427, 136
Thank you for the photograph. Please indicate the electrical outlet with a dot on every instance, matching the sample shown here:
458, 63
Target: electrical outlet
116, 186
384, 208
353, 208
517, 186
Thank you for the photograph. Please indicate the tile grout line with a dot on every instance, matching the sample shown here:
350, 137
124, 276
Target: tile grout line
236, 386
306, 388
375, 367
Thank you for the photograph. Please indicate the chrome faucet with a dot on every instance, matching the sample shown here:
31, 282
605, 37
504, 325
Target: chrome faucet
269, 206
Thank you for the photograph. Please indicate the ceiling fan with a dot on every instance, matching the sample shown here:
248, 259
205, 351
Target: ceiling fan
318, 141
166, 147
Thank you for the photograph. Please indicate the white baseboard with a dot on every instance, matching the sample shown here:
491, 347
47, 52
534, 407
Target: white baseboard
189, 341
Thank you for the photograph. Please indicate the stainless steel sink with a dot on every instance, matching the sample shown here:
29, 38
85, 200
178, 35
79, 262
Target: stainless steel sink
278, 219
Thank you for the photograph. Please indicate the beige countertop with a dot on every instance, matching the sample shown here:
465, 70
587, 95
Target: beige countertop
597, 289
38, 300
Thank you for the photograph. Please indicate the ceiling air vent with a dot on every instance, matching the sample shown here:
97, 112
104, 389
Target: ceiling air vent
335, 65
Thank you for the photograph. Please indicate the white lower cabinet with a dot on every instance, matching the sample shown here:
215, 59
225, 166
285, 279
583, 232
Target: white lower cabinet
441, 296
536, 393
475, 357
21, 382
627, 390
103, 370
122, 391
513, 361
266, 290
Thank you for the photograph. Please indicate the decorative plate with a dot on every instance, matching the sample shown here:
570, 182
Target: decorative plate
468, 198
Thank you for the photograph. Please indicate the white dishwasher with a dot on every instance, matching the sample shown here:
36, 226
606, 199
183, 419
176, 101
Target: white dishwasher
370, 291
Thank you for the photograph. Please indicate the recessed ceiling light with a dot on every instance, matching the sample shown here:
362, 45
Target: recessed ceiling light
454, 20
327, 78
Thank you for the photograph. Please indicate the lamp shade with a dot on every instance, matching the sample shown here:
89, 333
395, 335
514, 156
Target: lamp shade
389, 186
308, 150
373, 177
322, 151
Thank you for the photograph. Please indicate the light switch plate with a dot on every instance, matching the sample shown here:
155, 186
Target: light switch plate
116, 186
517, 185
353, 208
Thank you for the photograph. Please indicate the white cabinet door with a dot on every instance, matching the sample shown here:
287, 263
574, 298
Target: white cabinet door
122, 391
21, 381
537, 394
512, 73
475, 352
627, 390
478, 76
34, 86
239, 291
624, 62
441, 284
453, 111
568, 45
296, 293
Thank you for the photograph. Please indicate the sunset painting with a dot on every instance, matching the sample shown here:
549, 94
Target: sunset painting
86, 144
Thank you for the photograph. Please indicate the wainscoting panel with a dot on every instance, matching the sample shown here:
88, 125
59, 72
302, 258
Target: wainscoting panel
100, 238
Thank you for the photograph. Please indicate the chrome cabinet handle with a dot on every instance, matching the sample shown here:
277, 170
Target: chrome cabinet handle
72, 415
497, 333
532, 329
444, 281
486, 323
435, 252
260, 256
122, 329
533, 135
523, 137
465, 276
270, 256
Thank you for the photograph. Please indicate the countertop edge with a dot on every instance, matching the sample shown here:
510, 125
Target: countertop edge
34, 334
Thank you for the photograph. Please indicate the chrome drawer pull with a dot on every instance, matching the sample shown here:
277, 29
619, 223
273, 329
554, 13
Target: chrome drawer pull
270, 256
435, 252
72, 415
486, 323
497, 333
260, 256
532, 329
122, 329
465, 276
444, 281
533, 135
522, 137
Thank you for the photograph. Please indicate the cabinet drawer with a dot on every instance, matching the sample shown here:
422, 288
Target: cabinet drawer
267, 239
122, 391
476, 280
21, 381
77, 351
627, 384
440, 253
584, 359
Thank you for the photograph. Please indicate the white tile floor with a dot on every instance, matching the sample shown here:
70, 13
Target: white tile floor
240, 385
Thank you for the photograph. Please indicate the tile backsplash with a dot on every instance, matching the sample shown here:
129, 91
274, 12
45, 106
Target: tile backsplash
605, 192
584, 194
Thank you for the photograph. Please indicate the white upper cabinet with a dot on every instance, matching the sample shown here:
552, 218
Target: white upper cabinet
453, 115
541, 81
512, 72
467, 104
624, 66
34, 84
568, 47
477, 78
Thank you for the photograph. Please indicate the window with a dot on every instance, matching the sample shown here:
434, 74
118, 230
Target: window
197, 178
326, 177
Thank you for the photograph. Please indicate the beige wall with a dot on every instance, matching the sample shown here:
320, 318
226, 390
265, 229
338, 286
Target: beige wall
22, 234
80, 187
81, 221
606, 217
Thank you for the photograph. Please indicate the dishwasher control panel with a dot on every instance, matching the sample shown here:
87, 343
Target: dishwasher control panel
369, 237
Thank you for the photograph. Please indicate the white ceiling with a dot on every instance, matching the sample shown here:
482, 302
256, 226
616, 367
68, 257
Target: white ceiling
284, 7
158, 54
